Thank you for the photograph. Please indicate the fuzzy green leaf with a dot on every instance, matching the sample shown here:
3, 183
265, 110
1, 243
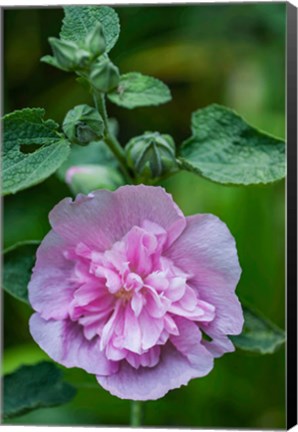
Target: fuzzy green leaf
80, 20
136, 90
225, 149
32, 387
18, 261
259, 335
32, 149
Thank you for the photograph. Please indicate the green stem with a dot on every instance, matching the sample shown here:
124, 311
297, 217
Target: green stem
136, 413
109, 138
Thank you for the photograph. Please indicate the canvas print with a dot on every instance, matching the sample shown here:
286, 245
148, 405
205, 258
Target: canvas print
144, 216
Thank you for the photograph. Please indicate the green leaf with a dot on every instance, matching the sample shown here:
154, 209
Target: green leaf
259, 334
32, 387
225, 149
135, 90
32, 149
18, 262
80, 20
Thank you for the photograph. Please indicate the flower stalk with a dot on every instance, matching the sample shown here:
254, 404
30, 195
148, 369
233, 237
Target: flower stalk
109, 138
136, 413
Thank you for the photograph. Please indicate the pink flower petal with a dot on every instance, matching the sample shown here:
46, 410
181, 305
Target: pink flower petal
212, 259
156, 304
108, 216
113, 281
220, 344
151, 329
139, 247
51, 287
188, 342
110, 326
132, 336
147, 359
86, 293
172, 371
114, 353
137, 303
176, 288
65, 343
157, 280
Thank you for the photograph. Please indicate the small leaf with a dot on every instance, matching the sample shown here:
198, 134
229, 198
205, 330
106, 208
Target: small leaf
18, 262
259, 334
80, 20
32, 149
136, 90
225, 149
32, 387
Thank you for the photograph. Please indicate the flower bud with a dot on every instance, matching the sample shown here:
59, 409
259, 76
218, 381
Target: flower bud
104, 76
87, 178
83, 124
95, 41
151, 155
68, 55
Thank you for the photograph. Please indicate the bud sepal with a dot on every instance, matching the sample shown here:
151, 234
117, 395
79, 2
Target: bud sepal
68, 55
95, 41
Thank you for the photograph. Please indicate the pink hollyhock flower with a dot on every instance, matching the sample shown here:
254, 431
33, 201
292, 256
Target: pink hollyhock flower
126, 287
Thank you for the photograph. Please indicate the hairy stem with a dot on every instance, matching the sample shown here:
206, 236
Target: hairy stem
136, 413
109, 138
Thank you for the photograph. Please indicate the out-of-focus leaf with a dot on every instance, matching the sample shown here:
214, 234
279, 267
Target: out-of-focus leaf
32, 149
135, 90
32, 387
18, 262
80, 20
94, 153
259, 334
225, 149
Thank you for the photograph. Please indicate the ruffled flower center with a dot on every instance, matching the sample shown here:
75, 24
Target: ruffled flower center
129, 296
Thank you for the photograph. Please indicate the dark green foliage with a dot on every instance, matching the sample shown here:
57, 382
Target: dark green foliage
18, 263
32, 149
225, 149
259, 334
32, 387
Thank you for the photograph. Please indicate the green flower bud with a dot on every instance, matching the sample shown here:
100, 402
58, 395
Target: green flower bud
104, 76
68, 55
95, 41
83, 124
151, 155
87, 178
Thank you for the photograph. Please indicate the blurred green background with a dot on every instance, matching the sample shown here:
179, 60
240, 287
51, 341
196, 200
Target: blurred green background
229, 54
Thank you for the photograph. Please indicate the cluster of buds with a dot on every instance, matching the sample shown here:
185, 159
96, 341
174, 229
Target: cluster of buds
87, 57
83, 124
71, 56
151, 155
